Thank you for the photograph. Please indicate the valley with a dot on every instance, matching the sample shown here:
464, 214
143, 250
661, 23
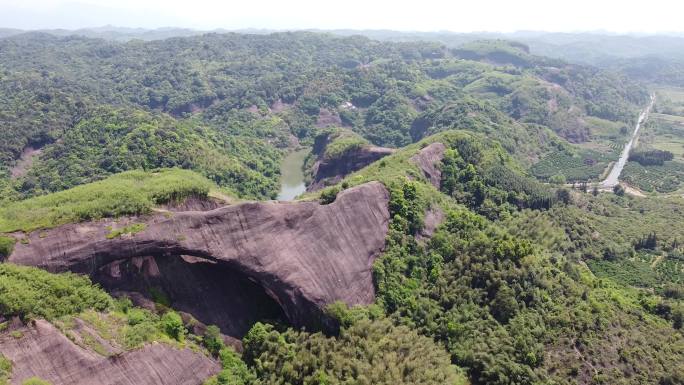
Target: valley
613, 176
301, 208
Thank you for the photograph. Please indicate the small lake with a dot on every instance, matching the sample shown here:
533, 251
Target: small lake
292, 176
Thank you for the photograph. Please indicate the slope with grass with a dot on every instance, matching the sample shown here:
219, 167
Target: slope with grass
129, 193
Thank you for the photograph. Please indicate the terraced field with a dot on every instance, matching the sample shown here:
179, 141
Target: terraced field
667, 178
663, 131
584, 165
645, 269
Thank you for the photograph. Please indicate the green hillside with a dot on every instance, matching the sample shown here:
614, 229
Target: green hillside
75, 110
517, 281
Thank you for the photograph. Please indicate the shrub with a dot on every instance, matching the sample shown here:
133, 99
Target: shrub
29, 292
212, 339
6, 246
127, 230
235, 371
329, 195
172, 324
5, 369
558, 179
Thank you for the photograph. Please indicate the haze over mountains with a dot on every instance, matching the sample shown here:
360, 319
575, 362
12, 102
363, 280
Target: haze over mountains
596, 48
454, 224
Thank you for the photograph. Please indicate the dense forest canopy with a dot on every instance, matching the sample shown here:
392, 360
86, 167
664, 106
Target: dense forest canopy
220, 96
521, 280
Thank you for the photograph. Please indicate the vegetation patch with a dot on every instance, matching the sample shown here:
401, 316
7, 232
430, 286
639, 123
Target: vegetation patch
666, 178
583, 165
29, 292
35, 381
128, 193
124, 328
369, 349
126, 230
650, 157
6, 246
341, 141
446, 288
5, 370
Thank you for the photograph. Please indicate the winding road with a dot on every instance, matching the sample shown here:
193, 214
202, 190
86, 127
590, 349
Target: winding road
613, 177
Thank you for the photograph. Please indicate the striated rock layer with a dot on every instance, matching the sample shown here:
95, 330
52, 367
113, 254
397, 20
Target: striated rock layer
43, 351
304, 255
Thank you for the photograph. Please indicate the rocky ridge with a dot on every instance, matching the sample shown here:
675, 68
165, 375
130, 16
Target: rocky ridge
303, 255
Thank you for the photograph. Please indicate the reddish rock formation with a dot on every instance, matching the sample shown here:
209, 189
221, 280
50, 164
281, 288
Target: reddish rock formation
194, 204
43, 351
304, 255
428, 160
329, 171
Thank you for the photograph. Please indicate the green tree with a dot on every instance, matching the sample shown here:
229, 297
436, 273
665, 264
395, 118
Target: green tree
172, 324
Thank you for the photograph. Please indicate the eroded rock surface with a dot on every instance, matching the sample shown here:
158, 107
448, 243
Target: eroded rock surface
434, 217
304, 255
428, 160
43, 351
327, 171
331, 171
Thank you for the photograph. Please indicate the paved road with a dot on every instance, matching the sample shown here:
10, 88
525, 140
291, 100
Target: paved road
613, 178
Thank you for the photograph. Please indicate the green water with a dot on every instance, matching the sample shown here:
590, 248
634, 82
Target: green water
292, 176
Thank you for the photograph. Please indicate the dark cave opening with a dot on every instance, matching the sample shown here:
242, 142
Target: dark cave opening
211, 291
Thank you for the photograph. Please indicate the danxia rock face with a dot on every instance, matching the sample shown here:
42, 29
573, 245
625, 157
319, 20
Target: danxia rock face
331, 171
303, 255
42, 351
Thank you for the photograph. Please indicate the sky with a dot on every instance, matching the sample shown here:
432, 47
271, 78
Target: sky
626, 16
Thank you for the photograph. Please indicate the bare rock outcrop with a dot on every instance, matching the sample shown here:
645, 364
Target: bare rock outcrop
434, 217
329, 170
304, 255
43, 351
428, 160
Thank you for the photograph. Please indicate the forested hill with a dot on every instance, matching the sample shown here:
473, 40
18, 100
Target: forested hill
122, 160
227, 104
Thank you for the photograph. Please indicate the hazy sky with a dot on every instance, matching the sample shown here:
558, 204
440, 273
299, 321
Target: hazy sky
413, 15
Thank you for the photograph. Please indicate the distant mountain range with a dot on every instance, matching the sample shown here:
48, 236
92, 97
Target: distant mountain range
596, 48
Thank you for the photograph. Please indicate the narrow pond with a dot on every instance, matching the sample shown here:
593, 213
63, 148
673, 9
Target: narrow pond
292, 176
